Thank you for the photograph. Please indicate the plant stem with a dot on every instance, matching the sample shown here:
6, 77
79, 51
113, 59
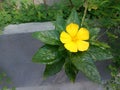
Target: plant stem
1, 8
33, 2
85, 12
45, 3
71, 3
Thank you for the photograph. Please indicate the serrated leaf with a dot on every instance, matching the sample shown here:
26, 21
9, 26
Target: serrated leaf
47, 55
73, 18
53, 68
71, 71
99, 54
60, 23
84, 63
112, 35
100, 44
49, 37
94, 33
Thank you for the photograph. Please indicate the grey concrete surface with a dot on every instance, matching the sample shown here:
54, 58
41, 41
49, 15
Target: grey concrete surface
48, 2
16, 52
28, 27
51, 2
76, 86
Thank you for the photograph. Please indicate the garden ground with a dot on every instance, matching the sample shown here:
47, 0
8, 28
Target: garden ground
17, 49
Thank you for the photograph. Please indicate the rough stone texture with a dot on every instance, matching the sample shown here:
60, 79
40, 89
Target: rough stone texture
48, 2
38, 1
28, 27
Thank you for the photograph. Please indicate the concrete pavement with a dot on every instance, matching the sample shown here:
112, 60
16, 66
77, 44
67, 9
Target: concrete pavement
76, 86
28, 27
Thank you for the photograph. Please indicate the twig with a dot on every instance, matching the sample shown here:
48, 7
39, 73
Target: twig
1, 8
45, 3
33, 2
85, 12
71, 3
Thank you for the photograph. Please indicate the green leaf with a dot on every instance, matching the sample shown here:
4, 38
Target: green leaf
94, 33
85, 64
112, 35
53, 68
99, 54
13, 88
71, 71
73, 18
100, 44
5, 88
49, 37
60, 23
93, 4
47, 55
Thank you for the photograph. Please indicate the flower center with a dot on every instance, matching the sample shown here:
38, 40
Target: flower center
74, 39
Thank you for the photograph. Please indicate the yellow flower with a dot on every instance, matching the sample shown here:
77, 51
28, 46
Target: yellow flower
74, 38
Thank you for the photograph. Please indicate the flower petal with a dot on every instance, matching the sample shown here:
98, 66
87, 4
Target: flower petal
65, 37
83, 34
72, 47
72, 29
82, 45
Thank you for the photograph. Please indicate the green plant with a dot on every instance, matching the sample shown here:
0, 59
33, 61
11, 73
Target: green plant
98, 14
114, 42
113, 84
5, 81
103, 12
55, 55
11, 13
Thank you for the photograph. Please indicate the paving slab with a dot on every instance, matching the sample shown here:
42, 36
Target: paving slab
28, 27
76, 86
